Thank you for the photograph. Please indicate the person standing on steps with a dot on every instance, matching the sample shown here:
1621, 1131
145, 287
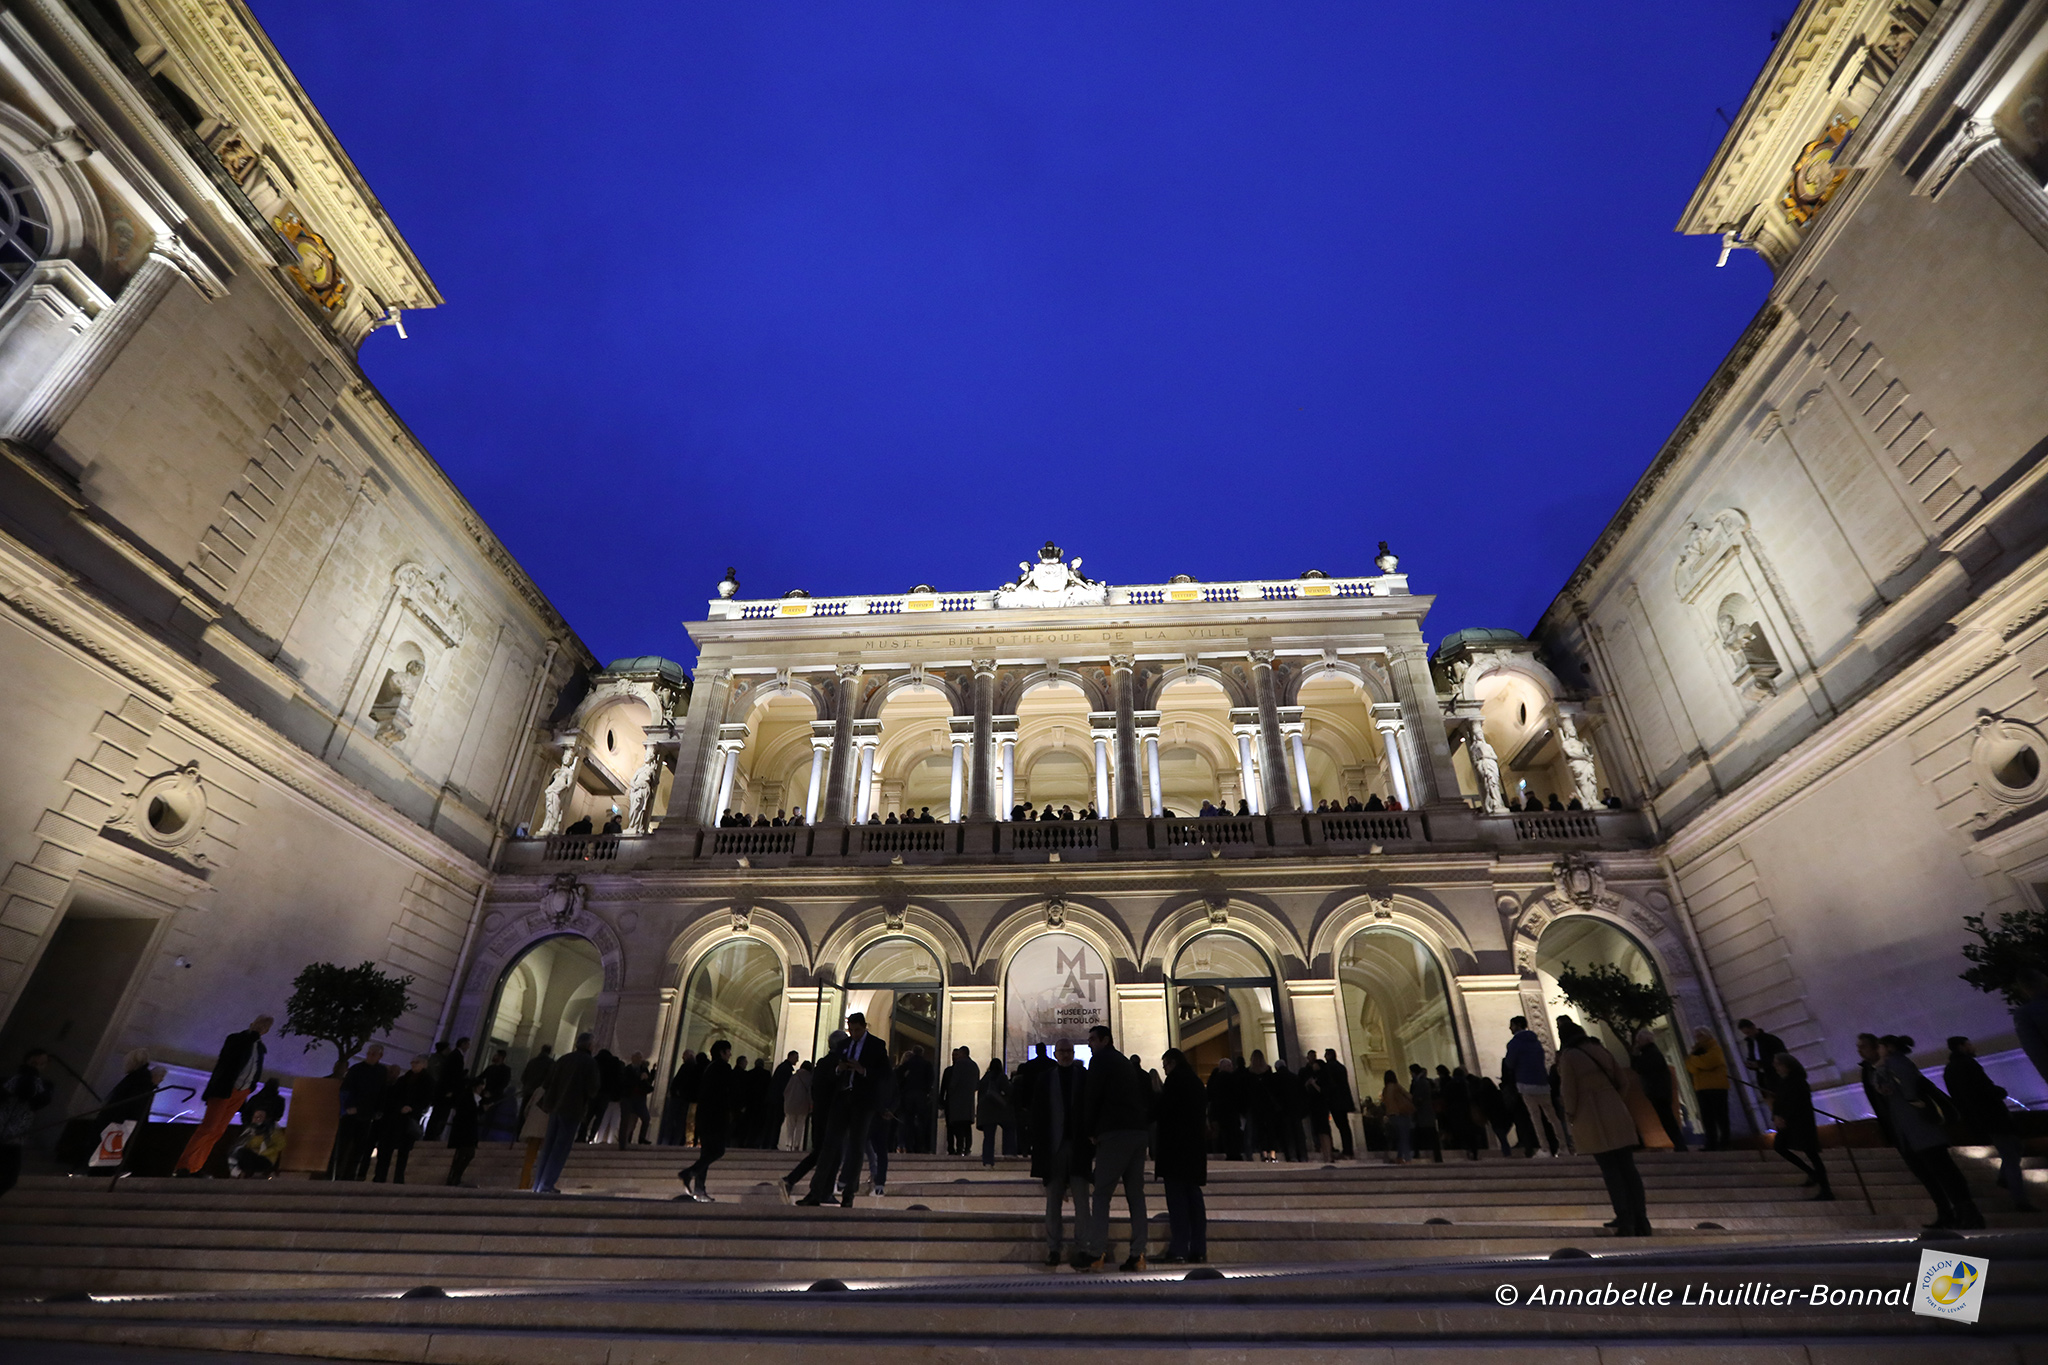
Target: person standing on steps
796, 1107
714, 1121
235, 1073
1428, 1133
1759, 1051
1597, 1109
566, 1097
1653, 1069
1707, 1066
1116, 1110
956, 1099
993, 1113
534, 1075
857, 1082
1917, 1128
1980, 1101
823, 1087
1524, 1062
405, 1105
22, 1096
362, 1104
1061, 1155
1180, 1158
1337, 1088
1797, 1136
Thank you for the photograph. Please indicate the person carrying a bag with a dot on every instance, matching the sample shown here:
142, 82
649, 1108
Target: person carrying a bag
1596, 1107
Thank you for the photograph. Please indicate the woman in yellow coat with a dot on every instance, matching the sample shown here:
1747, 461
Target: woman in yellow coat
1708, 1067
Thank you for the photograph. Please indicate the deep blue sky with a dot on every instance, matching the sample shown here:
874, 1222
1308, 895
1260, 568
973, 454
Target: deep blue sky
856, 296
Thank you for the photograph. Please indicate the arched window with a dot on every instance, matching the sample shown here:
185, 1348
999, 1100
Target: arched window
1223, 996
547, 995
24, 225
1397, 1007
735, 992
897, 984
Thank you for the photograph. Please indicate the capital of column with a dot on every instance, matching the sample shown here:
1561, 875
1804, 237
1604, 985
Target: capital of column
1262, 658
733, 736
984, 668
1122, 663
1293, 720
1147, 723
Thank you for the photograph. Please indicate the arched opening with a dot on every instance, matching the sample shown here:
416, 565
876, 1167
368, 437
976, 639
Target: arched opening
1199, 759
898, 985
1521, 724
1345, 753
1583, 941
1397, 1006
1224, 994
546, 996
913, 765
735, 993
1056, 987
773, 775
1055, 751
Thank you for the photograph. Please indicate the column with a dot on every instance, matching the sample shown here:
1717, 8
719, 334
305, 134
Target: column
864, 794
1129, 804
842, 745
729, 761
1152, 770
1390, 739
1101, 738
1431, 778
1272, 757
821, 744
959, 774
57, 397
1009, 802
980, 783
1301, 770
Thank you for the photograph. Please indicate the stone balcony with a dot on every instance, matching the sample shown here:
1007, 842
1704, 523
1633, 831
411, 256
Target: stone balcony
1349, 834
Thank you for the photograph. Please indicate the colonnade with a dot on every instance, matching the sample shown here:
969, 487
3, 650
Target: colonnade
1270, 742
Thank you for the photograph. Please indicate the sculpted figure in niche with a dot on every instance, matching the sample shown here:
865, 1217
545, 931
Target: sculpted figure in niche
642, 793
1578, 757
557, 795
1756, 663
392, 710
1487, 764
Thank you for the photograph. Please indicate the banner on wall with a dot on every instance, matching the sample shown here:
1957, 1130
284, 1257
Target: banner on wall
1058, 988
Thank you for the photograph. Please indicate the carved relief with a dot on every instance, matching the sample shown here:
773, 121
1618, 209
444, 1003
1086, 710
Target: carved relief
317, 272
564, 900
433, 601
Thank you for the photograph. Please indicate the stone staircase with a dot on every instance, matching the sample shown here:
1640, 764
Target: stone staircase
1323, 1264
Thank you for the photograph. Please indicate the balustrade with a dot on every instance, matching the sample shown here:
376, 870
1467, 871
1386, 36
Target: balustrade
1057, 834
1556, 825
906, 838
1182, 833
581, 848
751, 842
1360, 827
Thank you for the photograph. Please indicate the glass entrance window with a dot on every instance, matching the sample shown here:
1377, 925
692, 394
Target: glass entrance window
1223, 997
898, 985
735, 993
545, 998
1397, 1007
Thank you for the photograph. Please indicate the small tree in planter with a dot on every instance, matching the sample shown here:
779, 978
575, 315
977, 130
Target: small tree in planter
345, 1006
2018, 941
1606, 993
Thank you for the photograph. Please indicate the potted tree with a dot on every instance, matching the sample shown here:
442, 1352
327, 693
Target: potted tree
344, 1007
1623, 1006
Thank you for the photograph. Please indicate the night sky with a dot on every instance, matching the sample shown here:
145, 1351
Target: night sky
858, 296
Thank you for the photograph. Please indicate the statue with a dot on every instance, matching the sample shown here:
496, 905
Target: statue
1052, 582
392, 710
1487, 764
557, 794
641, 792
1385, 560
1578, 757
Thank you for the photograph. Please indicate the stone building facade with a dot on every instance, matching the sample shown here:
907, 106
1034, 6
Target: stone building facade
266, 674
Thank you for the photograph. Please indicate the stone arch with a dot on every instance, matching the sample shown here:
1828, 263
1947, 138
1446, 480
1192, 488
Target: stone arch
1186, 669
559, 911
1487, 664
1370, 681
1648, 922
78, 226
875, 700
1053, 674
723, 920
877, 920
1176, 926
1428, 924
1032, 918
743, 701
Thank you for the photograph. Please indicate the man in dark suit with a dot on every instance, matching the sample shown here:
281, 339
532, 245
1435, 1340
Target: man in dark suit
1116, 1114
715, 1105
362, 1103
1337, 1089
1759, 1055
1061, 1154
856, 1081
235, 1073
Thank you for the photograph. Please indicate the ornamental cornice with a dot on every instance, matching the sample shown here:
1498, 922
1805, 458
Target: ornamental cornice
225, 50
